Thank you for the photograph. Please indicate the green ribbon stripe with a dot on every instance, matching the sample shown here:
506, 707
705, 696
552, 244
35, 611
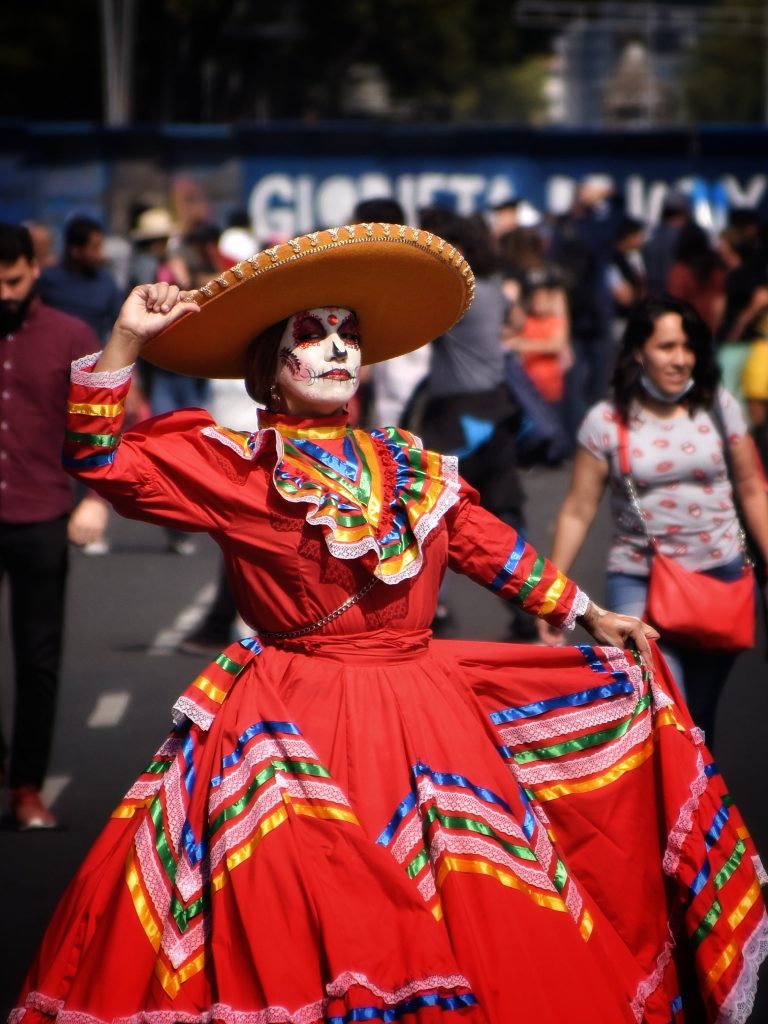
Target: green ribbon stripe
472, 825
417, 863
398, 546
592, 739
267, 773
533, 579
184, 916
233, 667
100, 440
561, 876
167, 858
730, 865
349, 520
706, 926
158, 767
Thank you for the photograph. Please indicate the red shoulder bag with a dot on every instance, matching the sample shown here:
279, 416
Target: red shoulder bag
690, 608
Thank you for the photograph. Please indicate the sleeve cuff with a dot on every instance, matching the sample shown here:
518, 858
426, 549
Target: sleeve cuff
81, 373
579, 606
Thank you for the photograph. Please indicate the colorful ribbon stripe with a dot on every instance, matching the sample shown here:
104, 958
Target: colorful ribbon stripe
449, 824
175, 867
576, 743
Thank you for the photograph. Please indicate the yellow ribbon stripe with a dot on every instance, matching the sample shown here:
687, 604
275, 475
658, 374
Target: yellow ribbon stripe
128, 810
275, 819
312, 433
586, 925
470, 865
384, 568
735, 918
567, 788
210, 689
668, 717
553, 595
143, 910
86, 409
323, 811
173, 980
745, 904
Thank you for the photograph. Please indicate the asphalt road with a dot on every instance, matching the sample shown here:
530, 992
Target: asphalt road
120, 679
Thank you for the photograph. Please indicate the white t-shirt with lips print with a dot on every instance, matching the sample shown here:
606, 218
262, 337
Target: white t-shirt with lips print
682, 485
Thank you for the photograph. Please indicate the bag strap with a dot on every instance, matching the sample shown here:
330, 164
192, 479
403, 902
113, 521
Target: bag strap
625, 469
623, 451
716, 415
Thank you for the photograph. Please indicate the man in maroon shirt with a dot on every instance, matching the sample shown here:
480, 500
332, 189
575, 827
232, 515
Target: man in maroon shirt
37, 345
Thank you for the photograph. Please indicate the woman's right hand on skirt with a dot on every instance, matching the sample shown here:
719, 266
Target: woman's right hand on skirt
619, 630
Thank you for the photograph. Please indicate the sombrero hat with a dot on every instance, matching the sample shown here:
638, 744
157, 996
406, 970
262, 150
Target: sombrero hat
406, 285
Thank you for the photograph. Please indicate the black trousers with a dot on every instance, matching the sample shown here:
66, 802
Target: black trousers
34, 558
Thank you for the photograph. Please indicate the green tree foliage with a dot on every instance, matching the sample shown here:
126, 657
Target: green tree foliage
230, 60
726, 76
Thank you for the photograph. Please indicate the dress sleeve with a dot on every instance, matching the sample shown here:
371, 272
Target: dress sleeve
495, 555
160, 471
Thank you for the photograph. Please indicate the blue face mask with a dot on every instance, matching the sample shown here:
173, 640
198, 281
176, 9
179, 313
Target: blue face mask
663, 396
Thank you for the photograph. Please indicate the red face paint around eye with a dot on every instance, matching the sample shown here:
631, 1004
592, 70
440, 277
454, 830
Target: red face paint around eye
307, 328
350, 329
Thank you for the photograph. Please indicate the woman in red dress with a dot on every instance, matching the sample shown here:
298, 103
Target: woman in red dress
350, 821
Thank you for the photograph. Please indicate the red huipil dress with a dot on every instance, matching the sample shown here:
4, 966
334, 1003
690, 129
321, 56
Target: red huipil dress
359, 823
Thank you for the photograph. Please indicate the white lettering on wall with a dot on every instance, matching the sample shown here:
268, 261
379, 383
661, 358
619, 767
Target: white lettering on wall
283, 205
751, 195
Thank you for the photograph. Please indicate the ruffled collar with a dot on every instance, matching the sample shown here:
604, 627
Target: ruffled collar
372, 491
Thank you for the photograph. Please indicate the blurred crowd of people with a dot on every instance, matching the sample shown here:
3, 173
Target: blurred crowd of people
509, 385
554, 293
562, 284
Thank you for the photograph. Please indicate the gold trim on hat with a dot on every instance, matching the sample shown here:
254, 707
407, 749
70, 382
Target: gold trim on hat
292, 250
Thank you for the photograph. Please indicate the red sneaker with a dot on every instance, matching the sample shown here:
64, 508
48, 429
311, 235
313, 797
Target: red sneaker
29, 810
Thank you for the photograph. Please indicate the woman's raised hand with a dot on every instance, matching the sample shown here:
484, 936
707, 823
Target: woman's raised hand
147, 311
619, 630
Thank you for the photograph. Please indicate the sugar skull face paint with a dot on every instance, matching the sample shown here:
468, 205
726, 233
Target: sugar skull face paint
318, 361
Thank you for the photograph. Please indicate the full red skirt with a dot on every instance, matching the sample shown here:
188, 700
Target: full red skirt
392, 829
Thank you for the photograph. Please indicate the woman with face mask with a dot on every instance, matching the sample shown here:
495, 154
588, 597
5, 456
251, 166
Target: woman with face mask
666, 392
351, 821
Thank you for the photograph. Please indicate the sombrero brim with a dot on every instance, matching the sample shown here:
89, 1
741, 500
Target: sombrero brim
406, 285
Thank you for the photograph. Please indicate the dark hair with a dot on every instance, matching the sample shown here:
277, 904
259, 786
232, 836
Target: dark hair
79, 230
520, 250
202, 232
695, 251
15, 243
471, 236
641, 324
261, 362
628, 226
383, 211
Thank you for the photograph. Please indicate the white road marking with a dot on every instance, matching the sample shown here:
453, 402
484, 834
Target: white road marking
110, 708
53, 787
167, 640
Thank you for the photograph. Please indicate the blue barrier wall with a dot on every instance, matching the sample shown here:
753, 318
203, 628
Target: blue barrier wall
293, 178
